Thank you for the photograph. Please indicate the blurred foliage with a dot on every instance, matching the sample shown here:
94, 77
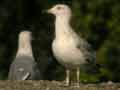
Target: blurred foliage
98, 21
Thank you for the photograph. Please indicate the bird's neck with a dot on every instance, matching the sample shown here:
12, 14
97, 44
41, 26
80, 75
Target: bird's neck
62, 26
24, 47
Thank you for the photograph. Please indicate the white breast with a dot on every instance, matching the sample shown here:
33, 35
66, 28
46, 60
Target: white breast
66, 52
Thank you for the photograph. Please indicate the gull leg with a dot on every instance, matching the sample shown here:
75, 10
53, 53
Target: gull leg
67, 77
78, 76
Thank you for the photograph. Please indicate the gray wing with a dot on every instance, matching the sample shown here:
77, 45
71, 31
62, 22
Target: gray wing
23, 68
90, 56
87, 50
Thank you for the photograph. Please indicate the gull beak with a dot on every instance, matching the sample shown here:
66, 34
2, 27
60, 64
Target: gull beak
47, 11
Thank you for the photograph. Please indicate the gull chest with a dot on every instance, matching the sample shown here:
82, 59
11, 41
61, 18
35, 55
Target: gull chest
66, 52
62, 46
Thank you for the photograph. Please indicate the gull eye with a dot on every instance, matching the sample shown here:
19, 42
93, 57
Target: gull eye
59, 8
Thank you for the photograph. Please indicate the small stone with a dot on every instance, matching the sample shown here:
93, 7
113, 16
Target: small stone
110, 82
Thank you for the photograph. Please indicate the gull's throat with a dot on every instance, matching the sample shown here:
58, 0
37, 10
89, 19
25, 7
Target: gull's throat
62, 26
24, 48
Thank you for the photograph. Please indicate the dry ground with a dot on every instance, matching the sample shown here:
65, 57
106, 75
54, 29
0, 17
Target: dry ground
54, 85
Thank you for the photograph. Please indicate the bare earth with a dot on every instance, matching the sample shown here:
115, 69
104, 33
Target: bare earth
54, 85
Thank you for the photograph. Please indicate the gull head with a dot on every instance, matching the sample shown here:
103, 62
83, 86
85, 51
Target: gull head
60, 10
25, 35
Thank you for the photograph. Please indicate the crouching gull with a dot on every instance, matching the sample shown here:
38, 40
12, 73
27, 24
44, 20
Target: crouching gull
69, 49
24, 66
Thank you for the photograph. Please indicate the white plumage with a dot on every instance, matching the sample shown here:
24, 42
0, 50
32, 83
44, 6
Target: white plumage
69, 49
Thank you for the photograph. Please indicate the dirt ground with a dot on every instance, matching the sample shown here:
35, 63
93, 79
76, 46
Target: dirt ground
54, 85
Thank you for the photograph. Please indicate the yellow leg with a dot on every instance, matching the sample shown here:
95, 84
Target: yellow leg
67, 77
78, 76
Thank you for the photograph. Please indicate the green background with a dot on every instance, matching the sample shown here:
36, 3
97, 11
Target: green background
98, 21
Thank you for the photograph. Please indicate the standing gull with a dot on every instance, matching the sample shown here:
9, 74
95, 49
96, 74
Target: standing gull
24, 66
69, 49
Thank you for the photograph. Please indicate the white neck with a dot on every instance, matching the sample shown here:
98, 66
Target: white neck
24, 47
62, 26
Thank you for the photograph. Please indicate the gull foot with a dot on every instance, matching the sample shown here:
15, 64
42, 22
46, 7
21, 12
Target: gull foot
64, 84
76, 85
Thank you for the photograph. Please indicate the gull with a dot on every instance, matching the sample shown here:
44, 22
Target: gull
71, 50
24, 66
